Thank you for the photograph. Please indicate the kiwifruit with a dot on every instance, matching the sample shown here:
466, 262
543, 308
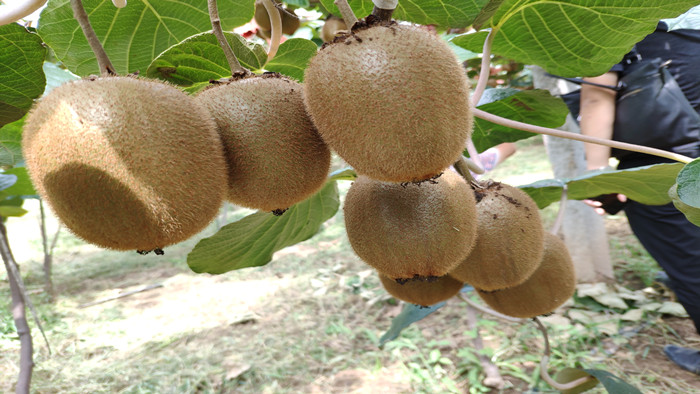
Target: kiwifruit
275, 156
330, 27
423, 292
509, 241
547, 288
392, 101
412, 230
125, 163
290, 22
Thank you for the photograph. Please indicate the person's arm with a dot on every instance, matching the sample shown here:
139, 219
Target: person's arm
598, 117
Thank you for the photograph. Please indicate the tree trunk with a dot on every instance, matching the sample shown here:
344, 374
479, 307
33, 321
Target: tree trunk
583, 229
26, 361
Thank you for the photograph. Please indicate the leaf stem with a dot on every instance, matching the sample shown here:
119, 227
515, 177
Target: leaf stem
562, 210
106, 67
13, 14
275, 27
485, 70
346, 12
233, 62
579, 137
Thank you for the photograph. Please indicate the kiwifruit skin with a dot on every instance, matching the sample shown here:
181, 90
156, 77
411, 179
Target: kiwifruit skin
408, 231
275, 156
509, 242
125, 163
330, 27
548, 288
423, 292
392, 101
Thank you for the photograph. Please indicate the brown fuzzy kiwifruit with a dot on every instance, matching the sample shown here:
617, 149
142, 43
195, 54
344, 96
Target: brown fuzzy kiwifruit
423, 292
331, 26
509, 241
412, 230
548, 287
392, 101
290, 22
275, 156
125, 163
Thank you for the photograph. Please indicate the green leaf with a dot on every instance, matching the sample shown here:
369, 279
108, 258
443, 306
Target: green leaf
486, 13
567, 375
23, 186
251, 241
199, 59
7, 180
691, 213
648, 185
536, 107
9, 210
292, 58
612, 383
442, 13
134, 35
411, 314
11, 144
56, 76
21, 76
685, 194
591, 35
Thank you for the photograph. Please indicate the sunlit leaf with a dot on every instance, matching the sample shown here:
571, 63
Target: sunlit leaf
251, 241
134, 35
591, 34
199, 59
21, 75
22, 187
11, 143
292, 58
647, 185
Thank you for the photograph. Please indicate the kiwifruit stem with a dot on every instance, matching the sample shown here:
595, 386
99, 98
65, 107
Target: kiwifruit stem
233, 62
474, 155
275, 27
485, 70
106, 67
462, 167
383, 9
489, 310
562, 210
544, 364
346, 12
18, 12
579, 137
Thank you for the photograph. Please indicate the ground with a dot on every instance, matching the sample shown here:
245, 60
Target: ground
309, 321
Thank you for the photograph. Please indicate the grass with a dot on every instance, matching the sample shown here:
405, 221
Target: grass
309, 321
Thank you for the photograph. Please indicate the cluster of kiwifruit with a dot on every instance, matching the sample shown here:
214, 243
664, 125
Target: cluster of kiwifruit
402, 119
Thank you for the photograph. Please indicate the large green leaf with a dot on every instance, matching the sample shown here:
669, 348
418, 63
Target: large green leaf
612, 383
647, 185
11, 144
536, 107
443, 13
572, 37
292, 58
22, 187
686, 193
200, 58
21, 75
134, 35
251, 241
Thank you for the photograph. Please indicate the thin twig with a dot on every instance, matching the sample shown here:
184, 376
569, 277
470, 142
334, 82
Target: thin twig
26, 352
231, 58
490, 311
275, 27
48, 258
485, 70
562, 210
346, 12
544, 364
106, 67
14, 13
579, 137
122, 295
493, 377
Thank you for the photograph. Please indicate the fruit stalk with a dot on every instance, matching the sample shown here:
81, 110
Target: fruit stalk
485, 70
106, 67
233, 62
383, 9
346, 12
275, 27
579, 137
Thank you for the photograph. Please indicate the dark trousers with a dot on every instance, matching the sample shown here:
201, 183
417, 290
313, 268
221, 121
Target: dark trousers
674, 243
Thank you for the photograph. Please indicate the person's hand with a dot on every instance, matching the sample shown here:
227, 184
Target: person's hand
607, 203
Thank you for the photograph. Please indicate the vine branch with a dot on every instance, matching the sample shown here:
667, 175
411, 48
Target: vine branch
346, 12
106, 67
233, 62
579, 137
13, 14
275, 27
